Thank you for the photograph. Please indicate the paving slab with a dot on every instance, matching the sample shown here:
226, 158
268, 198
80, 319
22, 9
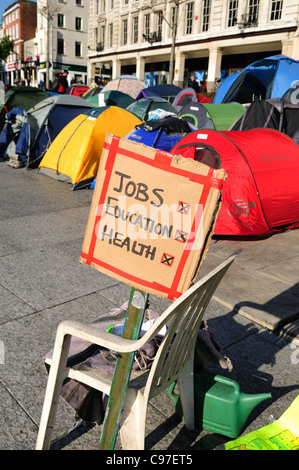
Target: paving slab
12, 307
262, 284
37, 230
17, 431
46, 277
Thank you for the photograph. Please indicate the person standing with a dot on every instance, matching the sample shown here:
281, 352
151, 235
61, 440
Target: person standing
202, 88
194, 84
63, 83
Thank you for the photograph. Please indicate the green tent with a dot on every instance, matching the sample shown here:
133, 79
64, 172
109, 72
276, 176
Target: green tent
212, 116
142, 107
224, 115
111, 98
23, 97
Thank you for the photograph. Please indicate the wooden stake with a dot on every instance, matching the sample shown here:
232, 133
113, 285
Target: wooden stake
122, 372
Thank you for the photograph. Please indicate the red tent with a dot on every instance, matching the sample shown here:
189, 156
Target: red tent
202, 98
261, 193
78, 90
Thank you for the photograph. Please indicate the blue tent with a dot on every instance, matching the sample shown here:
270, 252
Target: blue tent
47, 119
161, 134
264, 79
166, 91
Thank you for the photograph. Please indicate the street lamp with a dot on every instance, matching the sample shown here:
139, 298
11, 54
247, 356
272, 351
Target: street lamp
247, 21
152, 37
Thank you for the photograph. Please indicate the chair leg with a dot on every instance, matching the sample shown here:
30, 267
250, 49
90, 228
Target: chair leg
56, 377
132, 424
186, 390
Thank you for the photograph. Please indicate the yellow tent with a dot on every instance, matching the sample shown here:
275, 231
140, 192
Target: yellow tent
75, 153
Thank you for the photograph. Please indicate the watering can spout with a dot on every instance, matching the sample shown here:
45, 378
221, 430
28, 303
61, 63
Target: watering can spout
248, 402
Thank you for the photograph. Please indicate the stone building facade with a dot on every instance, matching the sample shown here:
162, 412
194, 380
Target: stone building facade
214, 37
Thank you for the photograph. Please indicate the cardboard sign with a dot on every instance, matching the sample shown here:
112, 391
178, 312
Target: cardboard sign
151, 218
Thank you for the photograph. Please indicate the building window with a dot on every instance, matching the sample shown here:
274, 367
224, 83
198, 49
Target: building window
110, 29
125, 32
126, 2
276, 10
78, 49
189, 19
206, 15
60, 46
103, 6
159, 26
96, 7
96, 36
78, 24
111, 4
60, 20
103, 35
79, 2
232, 13
135, 29
146, 24
253, 11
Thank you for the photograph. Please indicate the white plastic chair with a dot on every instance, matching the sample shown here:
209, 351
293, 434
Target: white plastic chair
173, 361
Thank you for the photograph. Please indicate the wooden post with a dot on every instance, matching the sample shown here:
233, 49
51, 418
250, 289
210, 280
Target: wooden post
122, 372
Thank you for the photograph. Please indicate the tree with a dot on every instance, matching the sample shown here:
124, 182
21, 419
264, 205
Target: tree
173, 25
6, 47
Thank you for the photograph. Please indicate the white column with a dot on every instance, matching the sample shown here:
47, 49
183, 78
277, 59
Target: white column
179, 68
116, 67
90, 71
140, 68
197, 16
215, 57
289, 47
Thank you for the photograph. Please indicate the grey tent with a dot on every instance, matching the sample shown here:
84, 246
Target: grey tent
142, 107
279, 114
47, 119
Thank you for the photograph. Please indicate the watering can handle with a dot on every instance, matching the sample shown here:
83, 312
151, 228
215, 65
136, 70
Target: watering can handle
227, 381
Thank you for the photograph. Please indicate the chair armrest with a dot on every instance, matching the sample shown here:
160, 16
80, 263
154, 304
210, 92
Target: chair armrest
102, 338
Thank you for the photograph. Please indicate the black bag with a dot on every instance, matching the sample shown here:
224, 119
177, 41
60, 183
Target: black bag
55, 84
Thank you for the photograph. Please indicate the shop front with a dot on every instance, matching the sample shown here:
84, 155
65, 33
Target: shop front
74, 72
12, 73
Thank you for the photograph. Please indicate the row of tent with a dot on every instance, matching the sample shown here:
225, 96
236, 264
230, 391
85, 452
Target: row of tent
257, 146
61, 114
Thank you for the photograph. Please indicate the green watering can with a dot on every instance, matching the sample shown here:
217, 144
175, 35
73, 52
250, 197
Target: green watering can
220, 406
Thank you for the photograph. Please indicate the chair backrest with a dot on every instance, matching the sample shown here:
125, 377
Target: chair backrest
185, 316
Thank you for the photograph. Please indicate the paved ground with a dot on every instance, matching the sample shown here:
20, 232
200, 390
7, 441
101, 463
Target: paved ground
254, 314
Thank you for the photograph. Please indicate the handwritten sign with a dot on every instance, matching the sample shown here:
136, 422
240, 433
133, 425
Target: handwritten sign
151, 217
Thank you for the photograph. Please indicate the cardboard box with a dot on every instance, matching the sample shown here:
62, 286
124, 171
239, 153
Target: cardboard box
152, 216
